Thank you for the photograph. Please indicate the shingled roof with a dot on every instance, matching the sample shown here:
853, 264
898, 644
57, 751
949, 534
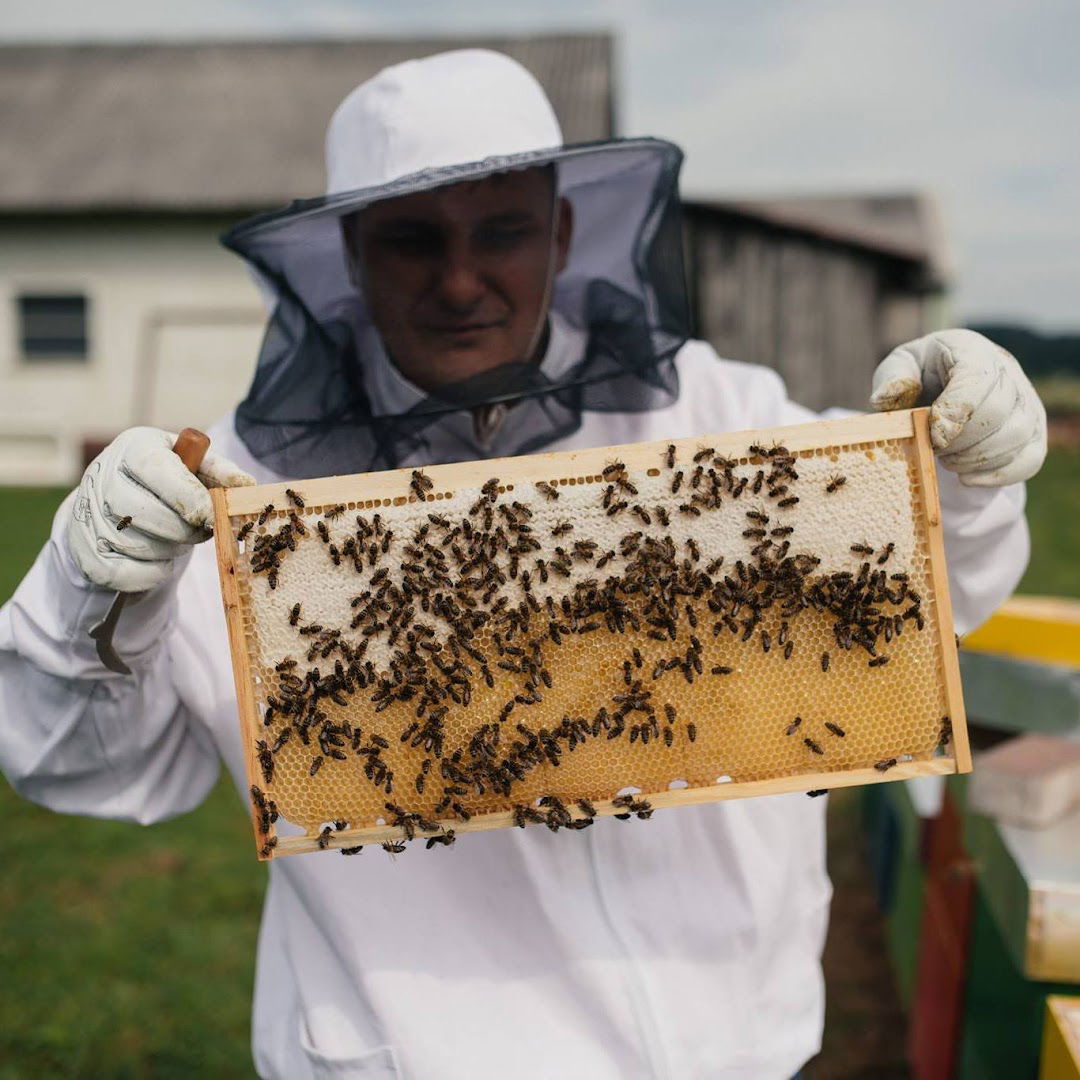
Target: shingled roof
224, 127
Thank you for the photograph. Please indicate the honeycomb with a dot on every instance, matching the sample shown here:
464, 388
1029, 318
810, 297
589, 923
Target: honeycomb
446, 659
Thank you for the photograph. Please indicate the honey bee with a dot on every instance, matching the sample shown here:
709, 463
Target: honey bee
781, 531
642, 513
886, 551
420, 484
295, 498
334, 512
352, 850
946, 732
758, 516
335, 555
836, 729
662, 515
885, 764
836, 482
676, 483
691, 732
817, 792
791, 500
689, 509
794, 726
721, 669
757, 450
612, 470
703, 453
123, 523
266, 761
562, 529
862, 549
669, 456
878, 661
267, 510
316, 765
245, 529
812, 746
393, 847
324, 533
547, 490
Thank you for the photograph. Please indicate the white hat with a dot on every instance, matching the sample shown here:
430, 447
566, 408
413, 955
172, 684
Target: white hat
411, 118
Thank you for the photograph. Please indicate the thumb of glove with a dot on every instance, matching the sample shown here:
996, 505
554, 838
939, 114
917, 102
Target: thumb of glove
897, 382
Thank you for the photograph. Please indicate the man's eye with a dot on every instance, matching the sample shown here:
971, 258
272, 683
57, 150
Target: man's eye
411, 243
504, 237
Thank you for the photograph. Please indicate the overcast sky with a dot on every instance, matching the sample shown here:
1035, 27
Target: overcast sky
977, 102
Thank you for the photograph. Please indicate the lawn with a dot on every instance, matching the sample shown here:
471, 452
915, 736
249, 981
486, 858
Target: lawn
127, 952
124, 952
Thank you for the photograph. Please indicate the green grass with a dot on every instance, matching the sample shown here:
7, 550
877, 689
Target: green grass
128, 952
1060, 394
125, 952
1053, 514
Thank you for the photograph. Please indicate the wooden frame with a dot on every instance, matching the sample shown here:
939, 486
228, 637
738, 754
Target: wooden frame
385, 489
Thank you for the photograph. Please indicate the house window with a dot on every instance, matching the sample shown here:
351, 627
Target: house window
53, 327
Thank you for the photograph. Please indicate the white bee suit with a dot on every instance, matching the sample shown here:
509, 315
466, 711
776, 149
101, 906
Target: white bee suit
687, 946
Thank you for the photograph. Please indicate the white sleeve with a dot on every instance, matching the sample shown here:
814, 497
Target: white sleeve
76, 737
986, 535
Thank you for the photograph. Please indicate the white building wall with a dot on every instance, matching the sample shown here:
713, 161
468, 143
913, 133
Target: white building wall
174, 325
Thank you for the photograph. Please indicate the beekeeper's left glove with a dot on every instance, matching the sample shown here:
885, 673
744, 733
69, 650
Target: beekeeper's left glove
987, 424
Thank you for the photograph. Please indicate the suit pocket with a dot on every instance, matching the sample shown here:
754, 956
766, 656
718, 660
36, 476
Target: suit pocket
378, 1064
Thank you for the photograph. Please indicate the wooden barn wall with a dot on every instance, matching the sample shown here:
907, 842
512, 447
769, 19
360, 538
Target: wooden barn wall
811, 312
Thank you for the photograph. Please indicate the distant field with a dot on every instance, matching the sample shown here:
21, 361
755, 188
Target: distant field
128, 952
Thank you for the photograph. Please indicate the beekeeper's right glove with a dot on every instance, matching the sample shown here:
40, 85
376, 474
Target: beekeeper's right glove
138, 509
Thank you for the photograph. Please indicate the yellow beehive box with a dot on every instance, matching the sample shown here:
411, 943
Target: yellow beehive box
1060, 1058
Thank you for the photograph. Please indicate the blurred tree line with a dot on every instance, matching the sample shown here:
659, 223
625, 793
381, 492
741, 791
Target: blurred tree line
1039, 354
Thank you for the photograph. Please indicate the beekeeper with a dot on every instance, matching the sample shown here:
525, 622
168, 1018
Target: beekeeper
471, 288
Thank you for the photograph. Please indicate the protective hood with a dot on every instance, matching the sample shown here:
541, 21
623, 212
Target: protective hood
326, 397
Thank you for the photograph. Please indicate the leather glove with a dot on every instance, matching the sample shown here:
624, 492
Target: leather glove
987, 424
138, 509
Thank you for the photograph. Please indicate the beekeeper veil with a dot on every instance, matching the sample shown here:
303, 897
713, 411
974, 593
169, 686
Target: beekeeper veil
468, 286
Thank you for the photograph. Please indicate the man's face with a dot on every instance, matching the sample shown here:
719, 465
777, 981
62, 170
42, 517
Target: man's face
457, 279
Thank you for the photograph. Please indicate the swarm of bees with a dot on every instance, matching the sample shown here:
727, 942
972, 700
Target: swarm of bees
434, 594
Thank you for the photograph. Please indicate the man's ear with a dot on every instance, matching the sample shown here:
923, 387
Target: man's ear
564, 232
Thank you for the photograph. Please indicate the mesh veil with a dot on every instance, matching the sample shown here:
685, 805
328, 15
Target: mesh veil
309, 411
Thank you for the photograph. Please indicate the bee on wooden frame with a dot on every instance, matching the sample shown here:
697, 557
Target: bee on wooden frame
295, 498
267, 510
420, 484
266, 760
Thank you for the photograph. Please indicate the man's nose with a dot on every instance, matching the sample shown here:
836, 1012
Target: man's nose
461, 285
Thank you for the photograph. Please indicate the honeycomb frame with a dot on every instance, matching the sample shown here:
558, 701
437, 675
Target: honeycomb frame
718, 759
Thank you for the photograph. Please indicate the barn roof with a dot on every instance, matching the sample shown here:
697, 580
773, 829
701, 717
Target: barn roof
224, 126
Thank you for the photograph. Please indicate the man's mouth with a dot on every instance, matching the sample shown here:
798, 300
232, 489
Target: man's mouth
462, 327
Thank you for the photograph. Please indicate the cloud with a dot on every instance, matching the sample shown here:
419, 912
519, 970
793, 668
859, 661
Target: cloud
975, 101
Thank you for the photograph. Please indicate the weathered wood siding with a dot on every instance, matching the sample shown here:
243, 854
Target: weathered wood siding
819, 313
